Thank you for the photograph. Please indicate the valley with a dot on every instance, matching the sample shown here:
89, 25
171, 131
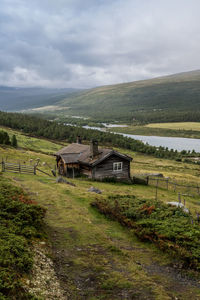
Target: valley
89, 255
93, 256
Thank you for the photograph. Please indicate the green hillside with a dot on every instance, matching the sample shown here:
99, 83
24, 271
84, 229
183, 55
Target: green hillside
170, 98
83, 254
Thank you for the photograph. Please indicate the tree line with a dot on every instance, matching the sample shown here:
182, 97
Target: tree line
52, 130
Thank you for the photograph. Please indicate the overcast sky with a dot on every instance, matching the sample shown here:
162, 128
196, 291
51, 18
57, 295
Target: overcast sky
87, 43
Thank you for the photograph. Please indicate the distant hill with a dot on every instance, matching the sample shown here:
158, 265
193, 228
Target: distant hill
15, 99
169, 98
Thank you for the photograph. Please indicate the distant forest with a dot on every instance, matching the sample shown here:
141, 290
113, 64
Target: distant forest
43, 128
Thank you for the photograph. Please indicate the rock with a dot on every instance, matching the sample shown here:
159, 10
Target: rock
44, 282
178, 204
94, 190
62, 180
151, 174
42, 243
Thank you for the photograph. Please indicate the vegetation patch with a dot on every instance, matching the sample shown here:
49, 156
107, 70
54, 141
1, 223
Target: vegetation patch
21, 220
170, 228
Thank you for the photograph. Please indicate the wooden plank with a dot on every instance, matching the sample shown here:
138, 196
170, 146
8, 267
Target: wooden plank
44, 172
12, 171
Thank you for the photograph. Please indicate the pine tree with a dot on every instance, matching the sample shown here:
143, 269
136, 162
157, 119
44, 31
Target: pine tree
14, 141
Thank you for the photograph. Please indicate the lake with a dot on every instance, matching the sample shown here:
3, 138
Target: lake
175, 143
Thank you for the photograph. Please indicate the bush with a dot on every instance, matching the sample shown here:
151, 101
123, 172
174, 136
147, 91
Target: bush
140, 180
4, 138
14, 141
20, 221
168, 227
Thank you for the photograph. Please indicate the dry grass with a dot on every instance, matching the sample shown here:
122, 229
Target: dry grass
176, 126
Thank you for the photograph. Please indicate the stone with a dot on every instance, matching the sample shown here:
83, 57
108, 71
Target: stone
62, 180
178, 204
94, 190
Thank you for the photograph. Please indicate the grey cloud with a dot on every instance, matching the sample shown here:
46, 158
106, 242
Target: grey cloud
87, 43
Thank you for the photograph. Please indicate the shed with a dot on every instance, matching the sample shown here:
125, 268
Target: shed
97, 163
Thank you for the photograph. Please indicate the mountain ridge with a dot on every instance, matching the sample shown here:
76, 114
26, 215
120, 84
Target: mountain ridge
170, 98
173, 94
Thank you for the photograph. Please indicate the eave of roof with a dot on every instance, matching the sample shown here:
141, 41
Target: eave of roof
113, 152
79, 153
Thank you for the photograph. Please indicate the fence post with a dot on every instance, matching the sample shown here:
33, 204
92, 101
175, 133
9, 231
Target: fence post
156, 196
179, 197
34, 170
174, 187
198, 189
167, 181
19, 168
3, 166
198, 217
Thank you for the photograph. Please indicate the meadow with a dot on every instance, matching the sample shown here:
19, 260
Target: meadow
95, 257
182, 129
195, 126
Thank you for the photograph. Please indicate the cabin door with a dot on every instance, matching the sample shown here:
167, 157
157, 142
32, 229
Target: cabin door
61, 169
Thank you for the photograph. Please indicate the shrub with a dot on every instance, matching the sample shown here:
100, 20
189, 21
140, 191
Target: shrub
20, 221
168, 227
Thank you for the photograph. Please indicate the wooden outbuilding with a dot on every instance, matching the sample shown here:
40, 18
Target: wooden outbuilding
94, 162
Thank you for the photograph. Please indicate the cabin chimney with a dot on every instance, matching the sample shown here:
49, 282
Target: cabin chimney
94, 148
78, 139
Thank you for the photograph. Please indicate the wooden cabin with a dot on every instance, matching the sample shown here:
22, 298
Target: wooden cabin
94, 162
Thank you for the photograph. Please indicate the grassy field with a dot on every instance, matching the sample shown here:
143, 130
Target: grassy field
195, 126
94, 257
34, 144
186, 130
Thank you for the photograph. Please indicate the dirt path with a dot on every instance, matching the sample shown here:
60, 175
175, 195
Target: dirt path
96, 258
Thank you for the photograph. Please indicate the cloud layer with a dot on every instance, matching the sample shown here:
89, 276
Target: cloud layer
75, 43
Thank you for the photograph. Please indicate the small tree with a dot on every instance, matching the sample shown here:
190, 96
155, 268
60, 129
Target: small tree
4, 138
14, 141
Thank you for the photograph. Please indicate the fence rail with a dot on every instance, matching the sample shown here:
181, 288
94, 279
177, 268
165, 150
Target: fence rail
18, 168
174, 186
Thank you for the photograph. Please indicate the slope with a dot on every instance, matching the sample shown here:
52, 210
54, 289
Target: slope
94, 257
14, 99
172, 98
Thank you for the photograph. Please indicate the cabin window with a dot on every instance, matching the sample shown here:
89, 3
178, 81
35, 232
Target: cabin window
117, 166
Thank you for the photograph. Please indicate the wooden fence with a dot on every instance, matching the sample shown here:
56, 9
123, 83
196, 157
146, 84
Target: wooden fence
18, 168
174, 186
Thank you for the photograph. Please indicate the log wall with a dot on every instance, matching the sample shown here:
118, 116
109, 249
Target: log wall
105, 169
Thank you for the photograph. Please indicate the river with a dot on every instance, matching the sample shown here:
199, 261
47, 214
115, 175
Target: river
175, 143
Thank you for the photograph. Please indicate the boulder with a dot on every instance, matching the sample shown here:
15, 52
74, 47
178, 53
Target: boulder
94, 190
62, 180
178, 204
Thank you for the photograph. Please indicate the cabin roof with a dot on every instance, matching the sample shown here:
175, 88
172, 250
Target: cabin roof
72, 149
79, 153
